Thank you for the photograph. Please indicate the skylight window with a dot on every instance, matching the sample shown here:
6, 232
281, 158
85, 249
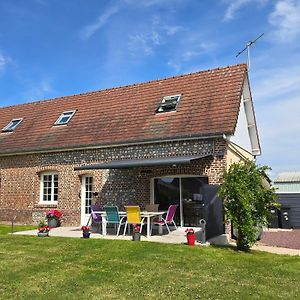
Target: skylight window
11, 126
65, 117
168, 103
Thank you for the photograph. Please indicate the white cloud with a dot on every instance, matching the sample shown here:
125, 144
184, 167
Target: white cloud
286, 20
3, 62
276, 82
196, 50
175, 65
235, 5
91, 29
275, 91
279, 126
39, 90
141, 43
171, 30
189, 51
149, 38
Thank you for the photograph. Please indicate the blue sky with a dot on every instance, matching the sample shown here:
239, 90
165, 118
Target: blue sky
51, 48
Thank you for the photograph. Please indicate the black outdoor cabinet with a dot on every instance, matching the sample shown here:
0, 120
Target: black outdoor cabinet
193, 212
274, 218
285, 217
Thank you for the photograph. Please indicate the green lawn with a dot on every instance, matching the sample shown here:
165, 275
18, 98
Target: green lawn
5, 229
69, 268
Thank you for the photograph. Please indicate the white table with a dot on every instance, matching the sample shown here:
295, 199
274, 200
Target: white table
144, 214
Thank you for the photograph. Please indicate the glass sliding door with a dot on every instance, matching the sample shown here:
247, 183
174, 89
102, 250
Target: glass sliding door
166, 193
192, 196
186, 192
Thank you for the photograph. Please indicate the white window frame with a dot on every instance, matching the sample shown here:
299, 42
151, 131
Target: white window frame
69, 114
166, 99
9, 126
52, 174
85, 216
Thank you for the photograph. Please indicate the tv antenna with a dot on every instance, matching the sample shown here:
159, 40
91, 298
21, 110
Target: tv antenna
248, 45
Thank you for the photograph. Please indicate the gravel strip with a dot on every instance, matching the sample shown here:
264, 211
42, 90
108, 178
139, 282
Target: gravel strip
286, 239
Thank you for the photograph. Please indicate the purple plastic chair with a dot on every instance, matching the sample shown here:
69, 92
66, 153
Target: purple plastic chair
169, 219
96, 218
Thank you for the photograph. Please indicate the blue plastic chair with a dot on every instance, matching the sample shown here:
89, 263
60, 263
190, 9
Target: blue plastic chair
113, 217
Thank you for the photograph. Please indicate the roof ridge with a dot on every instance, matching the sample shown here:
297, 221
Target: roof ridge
124, 86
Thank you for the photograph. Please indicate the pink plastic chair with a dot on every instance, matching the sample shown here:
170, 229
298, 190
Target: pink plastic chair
169, 219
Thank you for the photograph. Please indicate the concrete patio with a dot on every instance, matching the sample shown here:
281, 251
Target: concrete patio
174, 237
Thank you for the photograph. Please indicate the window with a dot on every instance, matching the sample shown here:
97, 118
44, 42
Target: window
65, 117
168, 103
11, 126
49, 188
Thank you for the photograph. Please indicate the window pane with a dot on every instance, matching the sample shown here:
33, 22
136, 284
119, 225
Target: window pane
64, 120
50, 187
12, 125
65, 117
192, 200
167, 193
89, 188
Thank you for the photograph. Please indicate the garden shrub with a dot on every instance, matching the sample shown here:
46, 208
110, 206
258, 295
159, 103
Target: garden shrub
247, 199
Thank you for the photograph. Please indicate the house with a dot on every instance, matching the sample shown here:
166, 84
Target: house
164, 141
287, 186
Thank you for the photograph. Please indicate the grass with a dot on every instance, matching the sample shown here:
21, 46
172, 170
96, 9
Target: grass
6, 229
69, 268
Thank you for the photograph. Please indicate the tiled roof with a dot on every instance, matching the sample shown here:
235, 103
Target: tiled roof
209, 105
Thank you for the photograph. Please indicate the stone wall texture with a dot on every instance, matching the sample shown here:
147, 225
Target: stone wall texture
20, 176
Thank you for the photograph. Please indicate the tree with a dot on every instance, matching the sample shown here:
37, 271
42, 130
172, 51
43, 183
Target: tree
247, 199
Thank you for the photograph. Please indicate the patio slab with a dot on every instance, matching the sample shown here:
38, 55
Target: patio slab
174, 237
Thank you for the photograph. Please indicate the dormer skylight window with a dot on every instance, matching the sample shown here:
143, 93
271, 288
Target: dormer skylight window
65, 117
11, 126
168, 103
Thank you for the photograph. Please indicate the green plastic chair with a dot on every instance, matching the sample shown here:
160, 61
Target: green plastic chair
113, 217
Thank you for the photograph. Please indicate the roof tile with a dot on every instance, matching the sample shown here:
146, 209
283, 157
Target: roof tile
209, 104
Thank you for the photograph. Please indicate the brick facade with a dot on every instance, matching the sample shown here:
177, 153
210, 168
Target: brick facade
20, 176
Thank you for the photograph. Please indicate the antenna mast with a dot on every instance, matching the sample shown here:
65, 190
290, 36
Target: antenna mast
248, 45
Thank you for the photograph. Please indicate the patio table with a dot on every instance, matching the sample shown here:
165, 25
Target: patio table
144, 214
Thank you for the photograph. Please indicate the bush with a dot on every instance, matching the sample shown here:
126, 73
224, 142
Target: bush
247, 198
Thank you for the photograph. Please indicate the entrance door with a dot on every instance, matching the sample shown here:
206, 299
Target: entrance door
186, 192
87, 189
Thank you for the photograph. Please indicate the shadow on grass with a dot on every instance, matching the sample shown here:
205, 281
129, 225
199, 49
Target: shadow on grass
233, 248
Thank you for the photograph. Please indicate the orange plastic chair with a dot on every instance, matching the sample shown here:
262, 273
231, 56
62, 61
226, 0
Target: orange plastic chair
133, 214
